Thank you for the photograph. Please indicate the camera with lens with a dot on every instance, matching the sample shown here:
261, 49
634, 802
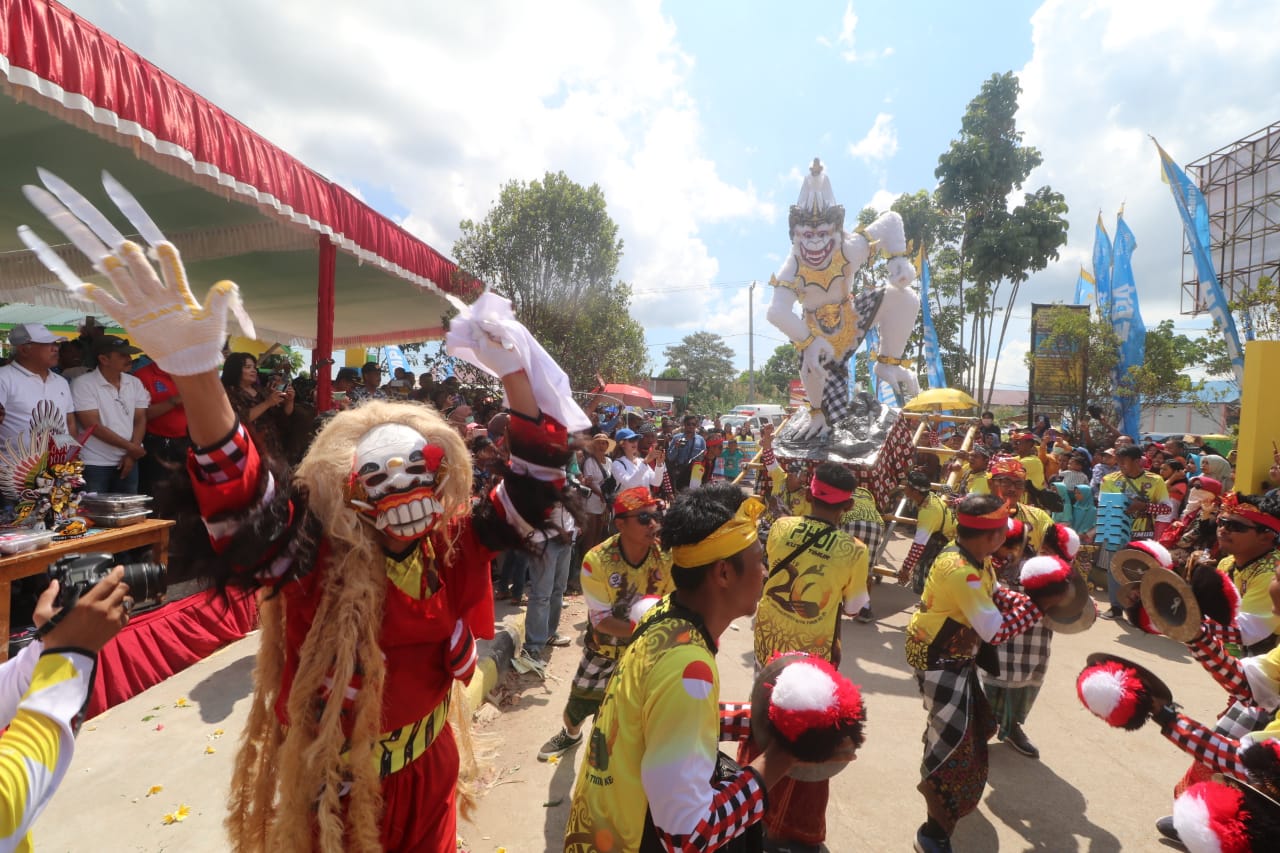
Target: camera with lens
76, 574
576, 486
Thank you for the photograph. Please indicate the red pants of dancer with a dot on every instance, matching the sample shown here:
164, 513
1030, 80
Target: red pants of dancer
419, 809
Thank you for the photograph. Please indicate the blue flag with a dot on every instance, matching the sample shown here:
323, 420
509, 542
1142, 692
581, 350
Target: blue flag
932, 352
1195, 223
1102, 268
1086, 289
394, 357
1126, 319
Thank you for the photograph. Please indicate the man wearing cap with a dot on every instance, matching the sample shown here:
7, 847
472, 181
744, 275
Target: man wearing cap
1148, 508
29, 380
961, 608
619, 576
816, 571
371, 379
1025, 447
685, 449
975, 474
651, 779
115, 404
346, 383
935, 526
1022, 662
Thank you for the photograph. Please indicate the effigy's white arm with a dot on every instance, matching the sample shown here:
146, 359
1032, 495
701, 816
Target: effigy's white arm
782, 315
889, 238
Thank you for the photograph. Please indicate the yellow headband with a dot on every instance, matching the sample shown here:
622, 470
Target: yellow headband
733, 536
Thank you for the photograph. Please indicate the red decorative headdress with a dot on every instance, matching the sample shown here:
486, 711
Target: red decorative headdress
1232, 505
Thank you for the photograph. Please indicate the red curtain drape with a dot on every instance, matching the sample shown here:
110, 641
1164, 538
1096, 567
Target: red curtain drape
165, 641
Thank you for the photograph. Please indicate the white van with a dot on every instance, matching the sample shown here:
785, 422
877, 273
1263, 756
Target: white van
763, 411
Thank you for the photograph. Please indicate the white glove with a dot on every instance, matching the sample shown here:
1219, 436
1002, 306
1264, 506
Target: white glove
487, 334
161, 315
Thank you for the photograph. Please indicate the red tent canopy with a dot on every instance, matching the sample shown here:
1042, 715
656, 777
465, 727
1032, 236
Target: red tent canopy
105, 97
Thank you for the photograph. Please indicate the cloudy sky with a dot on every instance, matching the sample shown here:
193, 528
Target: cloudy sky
697, 119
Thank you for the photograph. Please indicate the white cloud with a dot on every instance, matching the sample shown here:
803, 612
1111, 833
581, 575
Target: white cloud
442, 103
881, 200
848, 25
880, 143
1012, 370
1102, 78
845, 42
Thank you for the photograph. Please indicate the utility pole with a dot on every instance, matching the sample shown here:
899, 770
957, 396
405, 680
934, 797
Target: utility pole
751, 343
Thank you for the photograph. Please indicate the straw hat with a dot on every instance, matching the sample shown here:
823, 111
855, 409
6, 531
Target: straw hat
600, 438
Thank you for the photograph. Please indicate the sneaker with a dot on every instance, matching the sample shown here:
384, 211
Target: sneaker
929, 844
1018, 739
559, 641
559, 745
865, 615
1164, 826
530, 656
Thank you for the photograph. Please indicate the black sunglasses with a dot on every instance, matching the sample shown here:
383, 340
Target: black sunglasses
1235, 525
645, 517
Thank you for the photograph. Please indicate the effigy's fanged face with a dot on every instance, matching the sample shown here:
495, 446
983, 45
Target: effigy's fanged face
394, 478
815, 244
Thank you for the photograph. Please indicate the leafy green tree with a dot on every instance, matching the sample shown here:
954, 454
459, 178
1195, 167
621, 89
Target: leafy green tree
776, 375
552, 249
707, 362
999, 247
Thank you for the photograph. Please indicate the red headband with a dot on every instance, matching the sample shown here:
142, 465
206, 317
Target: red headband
1232, 505
828, 493
995, 520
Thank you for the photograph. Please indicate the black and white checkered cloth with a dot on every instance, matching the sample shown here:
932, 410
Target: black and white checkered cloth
1241, 719
1023, 659
835, 392
868, 532
592, 677
947, 699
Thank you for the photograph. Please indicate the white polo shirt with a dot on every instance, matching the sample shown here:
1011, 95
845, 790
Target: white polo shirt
115, 408
21, 391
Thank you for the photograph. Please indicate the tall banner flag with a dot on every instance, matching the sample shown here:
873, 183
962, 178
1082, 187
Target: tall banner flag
1102, 267
1126, 319
1086, 289
394, 356
1195, 223
932, 352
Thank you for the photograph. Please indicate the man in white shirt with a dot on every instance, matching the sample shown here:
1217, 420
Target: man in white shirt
115, 404
29, 379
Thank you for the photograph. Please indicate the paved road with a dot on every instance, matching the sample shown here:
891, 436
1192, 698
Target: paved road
1095, 789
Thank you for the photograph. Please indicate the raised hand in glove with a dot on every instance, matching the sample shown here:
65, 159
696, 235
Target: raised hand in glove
157, 310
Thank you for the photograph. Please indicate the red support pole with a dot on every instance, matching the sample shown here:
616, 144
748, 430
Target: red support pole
322, 357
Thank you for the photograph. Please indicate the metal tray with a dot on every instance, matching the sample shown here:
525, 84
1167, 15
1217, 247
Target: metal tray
117, 519
113, 502
20, 542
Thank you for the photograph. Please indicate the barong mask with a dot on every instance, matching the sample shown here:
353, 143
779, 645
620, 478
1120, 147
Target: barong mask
393, 481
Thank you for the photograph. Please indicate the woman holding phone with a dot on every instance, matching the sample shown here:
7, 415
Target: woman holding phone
264, 411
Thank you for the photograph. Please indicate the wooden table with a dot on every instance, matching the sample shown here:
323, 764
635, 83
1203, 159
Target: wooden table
153, 532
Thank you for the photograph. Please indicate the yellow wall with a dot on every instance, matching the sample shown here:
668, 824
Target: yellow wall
1259, 417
